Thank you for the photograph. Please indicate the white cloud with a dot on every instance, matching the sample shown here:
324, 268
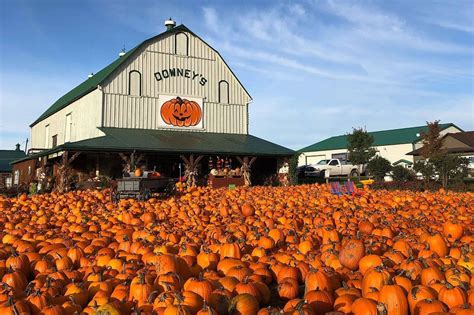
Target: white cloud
374, 25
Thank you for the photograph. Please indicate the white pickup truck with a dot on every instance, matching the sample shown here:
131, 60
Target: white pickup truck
334, 167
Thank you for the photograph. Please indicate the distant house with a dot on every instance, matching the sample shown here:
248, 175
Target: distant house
6, 157
461, 143
394, 145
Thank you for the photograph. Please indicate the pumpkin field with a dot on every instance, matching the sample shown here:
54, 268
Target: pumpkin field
258, 250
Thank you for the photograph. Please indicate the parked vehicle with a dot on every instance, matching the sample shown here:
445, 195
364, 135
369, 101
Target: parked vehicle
336, 167
306, 171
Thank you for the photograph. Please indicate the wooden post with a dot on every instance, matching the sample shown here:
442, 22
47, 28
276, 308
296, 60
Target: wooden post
246, 165
64, 170
191, 169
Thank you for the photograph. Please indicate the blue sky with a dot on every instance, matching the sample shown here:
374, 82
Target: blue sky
314, 68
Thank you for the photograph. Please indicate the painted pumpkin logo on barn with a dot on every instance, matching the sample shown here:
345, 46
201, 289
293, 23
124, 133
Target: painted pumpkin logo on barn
180, 112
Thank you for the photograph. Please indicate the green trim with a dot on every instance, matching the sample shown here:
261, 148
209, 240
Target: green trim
383, 137
100, 77
402, 161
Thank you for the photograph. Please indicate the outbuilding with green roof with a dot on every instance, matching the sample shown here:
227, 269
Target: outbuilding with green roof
393, 144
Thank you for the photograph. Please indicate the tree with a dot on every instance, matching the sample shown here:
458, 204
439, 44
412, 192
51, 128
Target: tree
447, 166
432, 141
379, 167
402, 174
292, 165
450, 166
359, 145
426, 169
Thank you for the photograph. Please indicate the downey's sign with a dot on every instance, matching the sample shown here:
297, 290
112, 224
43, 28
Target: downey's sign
180, 72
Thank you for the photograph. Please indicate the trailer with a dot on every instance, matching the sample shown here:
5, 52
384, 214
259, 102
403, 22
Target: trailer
143, 188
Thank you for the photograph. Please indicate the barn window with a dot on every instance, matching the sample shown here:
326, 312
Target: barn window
46, 137
223, 92
54, 140
67, 132
135, 83
181, 45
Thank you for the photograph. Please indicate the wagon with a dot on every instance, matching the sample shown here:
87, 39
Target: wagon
142, 188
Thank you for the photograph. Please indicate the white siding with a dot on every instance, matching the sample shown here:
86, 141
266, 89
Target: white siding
86, 112
133, 112
123, 111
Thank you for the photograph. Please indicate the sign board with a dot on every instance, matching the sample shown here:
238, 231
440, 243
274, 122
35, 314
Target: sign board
180, 112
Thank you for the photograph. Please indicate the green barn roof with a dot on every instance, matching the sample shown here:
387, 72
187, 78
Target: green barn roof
383, 137
91, 83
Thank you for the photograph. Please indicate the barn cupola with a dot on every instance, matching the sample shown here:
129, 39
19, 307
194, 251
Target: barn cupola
170, 24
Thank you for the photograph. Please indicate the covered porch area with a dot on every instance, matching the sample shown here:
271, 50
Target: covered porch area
198, 158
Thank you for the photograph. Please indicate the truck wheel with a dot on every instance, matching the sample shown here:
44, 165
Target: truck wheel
354, 174
322, 174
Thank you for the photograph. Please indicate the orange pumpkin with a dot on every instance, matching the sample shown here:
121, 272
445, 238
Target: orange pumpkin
180, 112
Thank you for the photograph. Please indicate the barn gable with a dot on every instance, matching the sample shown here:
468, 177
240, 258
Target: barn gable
180, 62
178, 43
174, 64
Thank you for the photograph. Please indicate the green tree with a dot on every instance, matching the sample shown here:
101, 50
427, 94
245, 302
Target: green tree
450, 167
402, 174
426, 169
292, 165
379, 167
359, 145
447, 166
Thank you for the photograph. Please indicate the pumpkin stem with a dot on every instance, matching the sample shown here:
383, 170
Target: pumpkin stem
14, 252
15, 310
381, 309
141, 278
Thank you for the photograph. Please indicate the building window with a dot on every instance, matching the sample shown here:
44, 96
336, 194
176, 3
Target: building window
343, 157
8, 182
16, 177
54, 141
223, 92
181, 44
46, 138
135, 83
68, 130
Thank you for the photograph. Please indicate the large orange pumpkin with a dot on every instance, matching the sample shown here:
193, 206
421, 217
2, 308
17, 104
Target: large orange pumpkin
180, 112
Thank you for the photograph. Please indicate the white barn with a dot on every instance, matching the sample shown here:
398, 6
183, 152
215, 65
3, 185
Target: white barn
171, 97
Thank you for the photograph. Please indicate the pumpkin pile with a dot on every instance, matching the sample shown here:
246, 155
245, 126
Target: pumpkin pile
259, 250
